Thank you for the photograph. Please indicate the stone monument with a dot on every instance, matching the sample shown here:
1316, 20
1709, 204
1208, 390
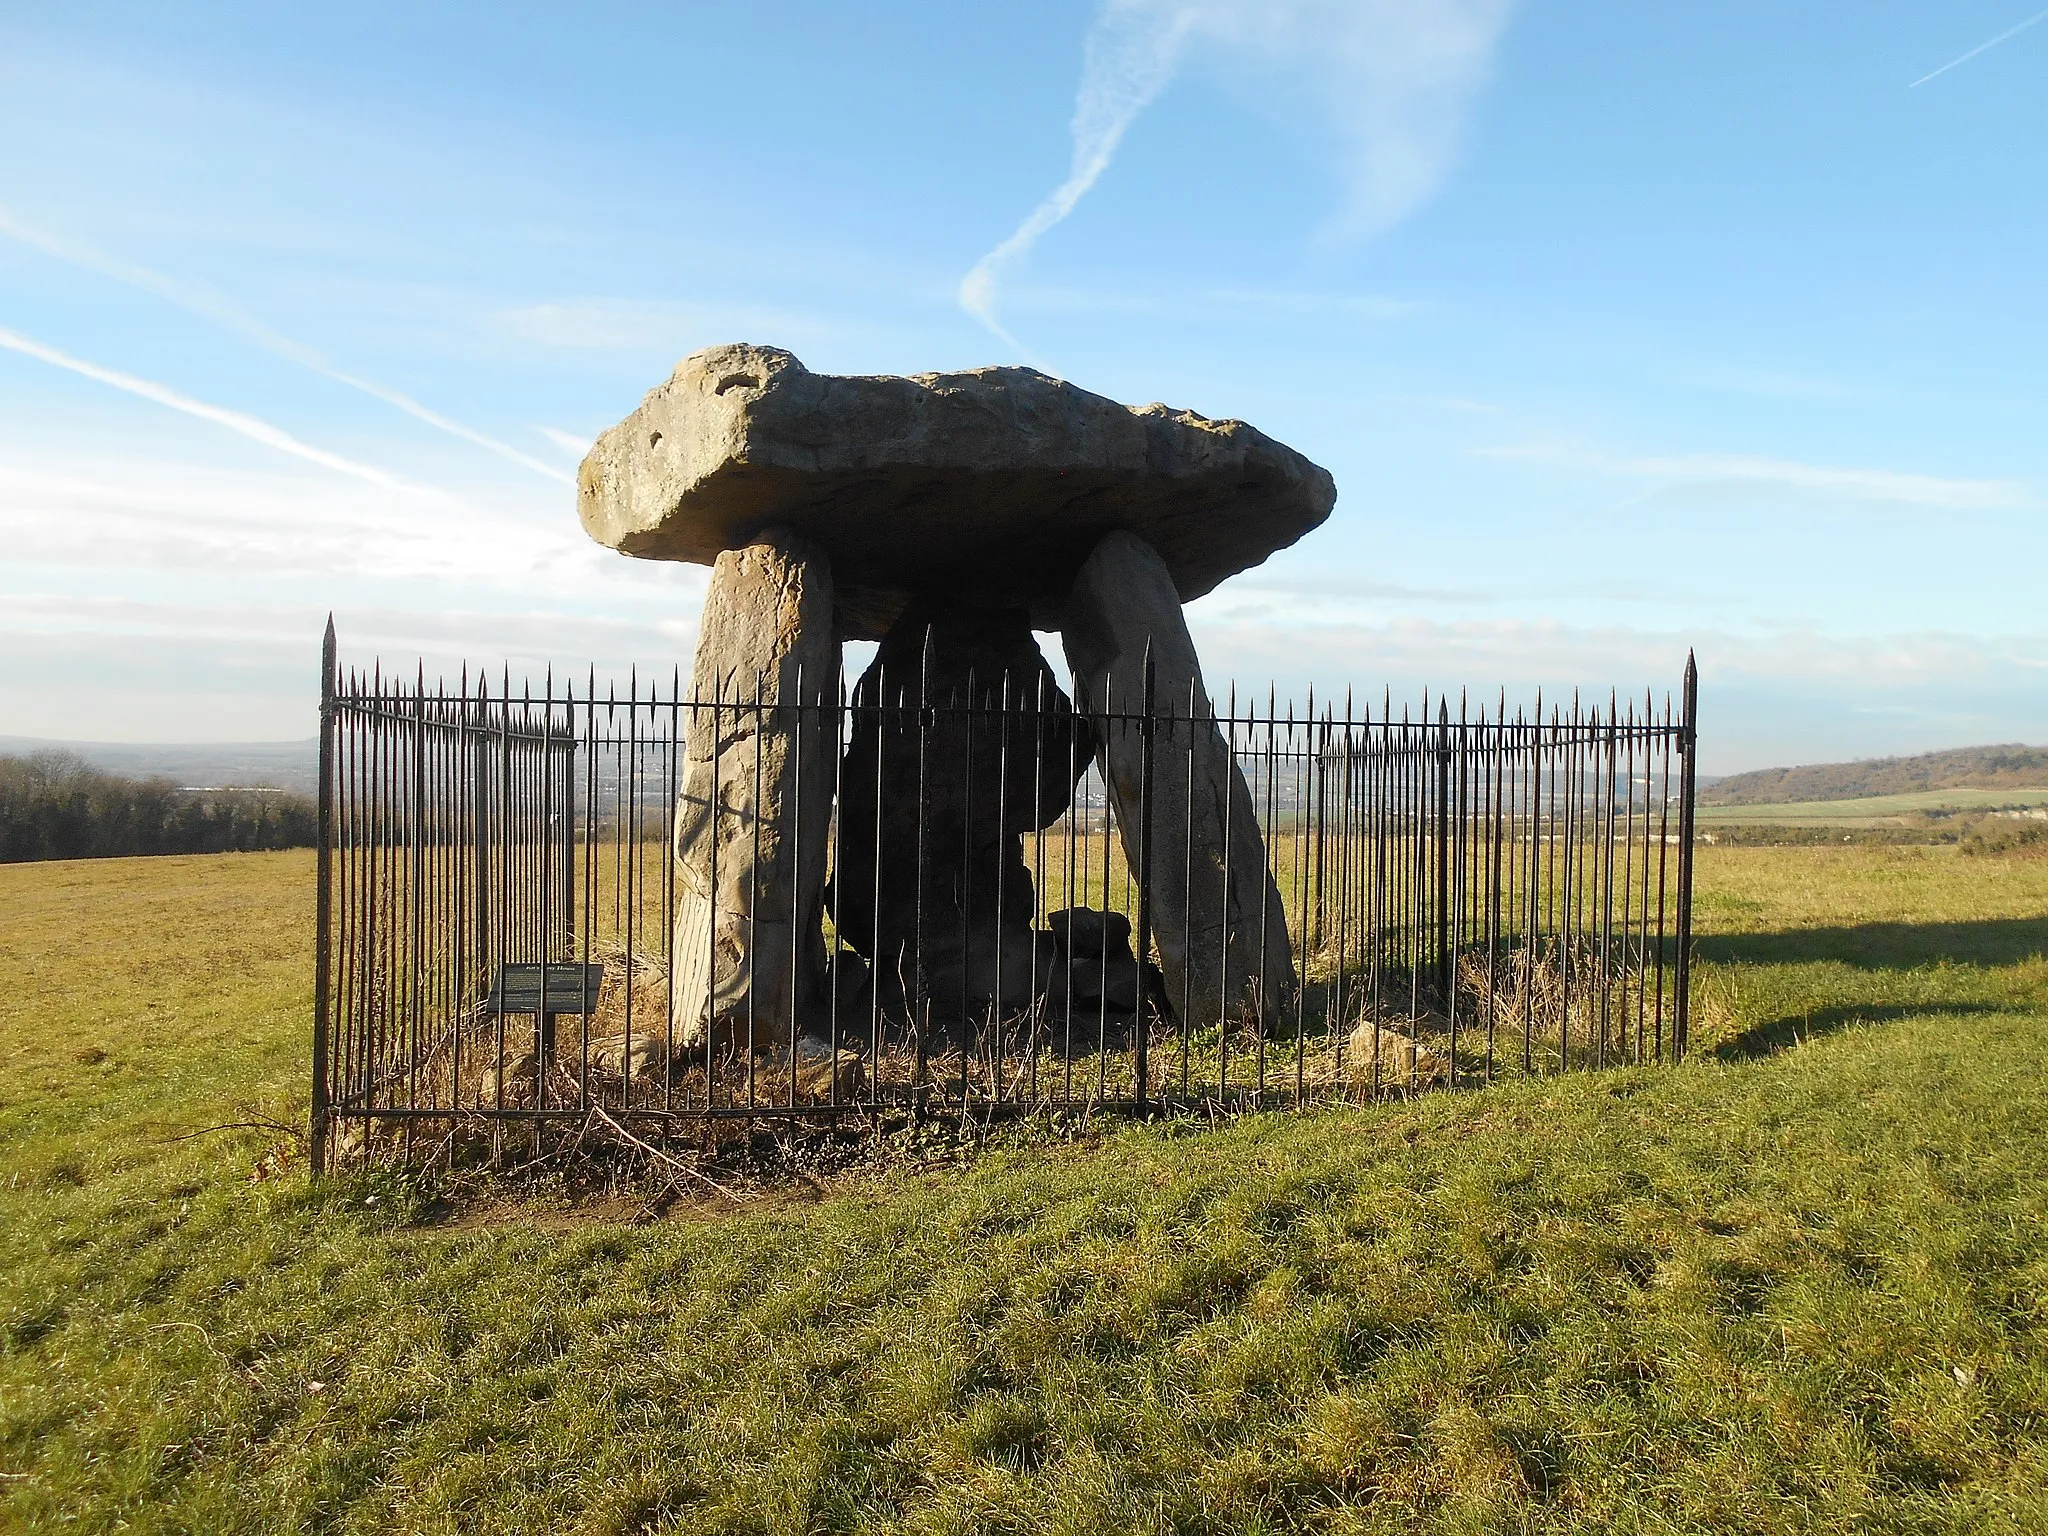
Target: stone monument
946, 516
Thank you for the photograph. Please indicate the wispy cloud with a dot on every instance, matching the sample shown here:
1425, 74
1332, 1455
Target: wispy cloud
1281, 301
1296, 602
660, 325
1129, 57
1392, 77
117, 668
396, 636
572, 443
208, 305
1766, 697
157, 600
1263, 305
1525, 654
2009, 32
148, 522
1768, 384
1880, 485
235, 421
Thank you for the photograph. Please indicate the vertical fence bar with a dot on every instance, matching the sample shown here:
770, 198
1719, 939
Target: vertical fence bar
416, 890
1141, 1025
621, 871
323, 913
964, 719
798, 941
1688, 743
920, 1012
671, 781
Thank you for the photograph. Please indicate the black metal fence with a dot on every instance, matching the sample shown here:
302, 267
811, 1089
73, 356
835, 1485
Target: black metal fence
967, 907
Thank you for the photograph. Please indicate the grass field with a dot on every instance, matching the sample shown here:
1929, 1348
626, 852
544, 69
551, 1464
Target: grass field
1800, 1284
1874, 810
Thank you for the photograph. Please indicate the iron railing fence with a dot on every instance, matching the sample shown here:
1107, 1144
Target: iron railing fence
506, 933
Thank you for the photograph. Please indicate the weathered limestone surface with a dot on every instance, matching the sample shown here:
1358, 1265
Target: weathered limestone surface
990, 486
1397, 1057
987, 781
1216, 914
754, 811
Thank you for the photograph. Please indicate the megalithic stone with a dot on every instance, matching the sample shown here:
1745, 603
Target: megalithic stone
998, 763
1216, 914
755, 806
985, 489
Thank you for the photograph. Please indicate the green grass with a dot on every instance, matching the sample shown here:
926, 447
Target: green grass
1798, 1285
1873, 810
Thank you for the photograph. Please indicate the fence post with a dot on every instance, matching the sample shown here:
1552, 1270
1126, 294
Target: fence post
568, 892
416, 892
1446, 961
921, 985
323, 912
477, 733
1688, 745
1141, 1024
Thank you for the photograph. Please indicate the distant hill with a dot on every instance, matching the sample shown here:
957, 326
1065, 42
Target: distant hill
292, 765
2005, 767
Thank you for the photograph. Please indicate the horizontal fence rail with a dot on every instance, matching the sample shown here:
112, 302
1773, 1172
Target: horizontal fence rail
540, 906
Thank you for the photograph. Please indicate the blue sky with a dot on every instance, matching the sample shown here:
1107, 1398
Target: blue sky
1623, 328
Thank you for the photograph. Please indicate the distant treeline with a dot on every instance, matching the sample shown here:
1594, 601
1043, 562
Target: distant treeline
54, 805
2006, 767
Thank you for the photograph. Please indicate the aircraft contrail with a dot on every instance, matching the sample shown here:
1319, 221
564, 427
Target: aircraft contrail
223, 311
1391, 77
1981, 47
1127, 65
235, 421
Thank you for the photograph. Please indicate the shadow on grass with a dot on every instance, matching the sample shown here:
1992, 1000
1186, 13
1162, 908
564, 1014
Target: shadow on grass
1781, 1034
1886, 946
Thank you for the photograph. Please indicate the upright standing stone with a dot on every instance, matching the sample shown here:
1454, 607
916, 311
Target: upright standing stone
1216, 914
755, 807
998, 749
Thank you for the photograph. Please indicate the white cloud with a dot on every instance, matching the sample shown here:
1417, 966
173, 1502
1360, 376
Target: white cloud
602, 325
1881, 485
1392, 78
209, 305
575, 444
372, 633
148, 600
1265, 304
114, 669
1129, 57
1278, 301
1795, 696
1770, 384
1526, 654
140, 524
640, 325
235, 421
158, 517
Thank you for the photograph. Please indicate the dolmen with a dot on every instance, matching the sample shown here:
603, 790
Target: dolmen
947, 516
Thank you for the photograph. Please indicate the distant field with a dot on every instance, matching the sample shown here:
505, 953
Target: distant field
1874, 810
1797, 1286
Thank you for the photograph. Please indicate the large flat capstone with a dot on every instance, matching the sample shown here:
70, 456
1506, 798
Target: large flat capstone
991, 486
